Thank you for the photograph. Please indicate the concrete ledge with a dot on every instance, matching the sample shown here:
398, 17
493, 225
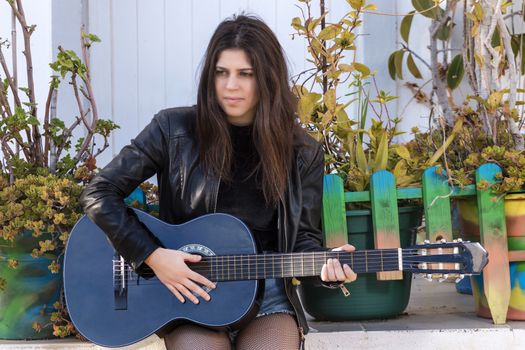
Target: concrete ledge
437, 318
479, 339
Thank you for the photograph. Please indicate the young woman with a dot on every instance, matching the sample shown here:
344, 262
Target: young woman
239, 151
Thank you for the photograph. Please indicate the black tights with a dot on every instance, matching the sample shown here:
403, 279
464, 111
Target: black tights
276, 331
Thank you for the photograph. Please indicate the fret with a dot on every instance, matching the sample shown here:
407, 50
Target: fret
273, 265
282, 265
234, 268
352, 257
228, 266
249, 266
366, 260
302, 264
264, 266
211, 269
256, 272
241, 261
381, 252
313, 263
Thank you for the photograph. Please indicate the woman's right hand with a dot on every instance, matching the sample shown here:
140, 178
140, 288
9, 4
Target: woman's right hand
171, 269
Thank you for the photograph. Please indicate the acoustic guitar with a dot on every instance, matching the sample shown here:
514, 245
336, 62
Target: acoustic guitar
112, 306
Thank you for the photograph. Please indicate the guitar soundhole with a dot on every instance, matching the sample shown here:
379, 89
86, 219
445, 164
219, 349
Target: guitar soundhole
199, 249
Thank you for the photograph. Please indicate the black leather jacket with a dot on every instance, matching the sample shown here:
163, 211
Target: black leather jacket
167, 147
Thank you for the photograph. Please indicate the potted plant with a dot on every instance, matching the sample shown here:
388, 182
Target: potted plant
489, 62
355, 148
42, 172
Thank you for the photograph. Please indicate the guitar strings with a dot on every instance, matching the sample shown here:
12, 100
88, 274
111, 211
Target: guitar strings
256, 272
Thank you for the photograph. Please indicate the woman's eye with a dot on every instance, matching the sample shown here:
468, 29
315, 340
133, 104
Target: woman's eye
246, 74
220, 72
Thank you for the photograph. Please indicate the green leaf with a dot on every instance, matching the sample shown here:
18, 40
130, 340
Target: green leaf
392, 65
423, 6
356, 4
363, 69
445, 31
330, 100
403, 152
360, 157
518, 46
406, 23
398, 61
495, 41
346, 67
381, 160
329, 32
412, 67
296, 23
455, 72
305, 108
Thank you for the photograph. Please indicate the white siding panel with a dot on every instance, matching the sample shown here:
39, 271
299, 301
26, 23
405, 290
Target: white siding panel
294, 48
205, 16
125, 71
101, 73
151, 77
264, 10
229, 8
179, 48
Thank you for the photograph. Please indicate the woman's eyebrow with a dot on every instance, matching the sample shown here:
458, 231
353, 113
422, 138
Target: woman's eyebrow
240, 69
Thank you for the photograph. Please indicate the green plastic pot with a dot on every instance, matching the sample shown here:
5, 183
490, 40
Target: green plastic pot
370, 298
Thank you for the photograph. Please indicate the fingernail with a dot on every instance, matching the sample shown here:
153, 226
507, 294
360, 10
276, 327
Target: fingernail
196, 301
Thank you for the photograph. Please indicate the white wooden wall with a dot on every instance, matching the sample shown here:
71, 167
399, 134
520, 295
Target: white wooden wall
151, 50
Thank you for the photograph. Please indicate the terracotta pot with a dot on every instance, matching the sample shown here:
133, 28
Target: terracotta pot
515, 222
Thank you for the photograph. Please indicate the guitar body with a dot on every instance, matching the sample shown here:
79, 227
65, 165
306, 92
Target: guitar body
150, 307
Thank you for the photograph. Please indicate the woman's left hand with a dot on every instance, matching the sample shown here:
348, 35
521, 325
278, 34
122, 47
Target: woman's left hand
333, 271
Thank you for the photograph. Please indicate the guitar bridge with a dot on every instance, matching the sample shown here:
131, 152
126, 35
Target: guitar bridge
120, 283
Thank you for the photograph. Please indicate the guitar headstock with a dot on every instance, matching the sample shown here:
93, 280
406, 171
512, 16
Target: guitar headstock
445, 260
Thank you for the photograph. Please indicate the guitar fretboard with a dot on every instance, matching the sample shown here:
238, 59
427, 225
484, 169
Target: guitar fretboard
250, 267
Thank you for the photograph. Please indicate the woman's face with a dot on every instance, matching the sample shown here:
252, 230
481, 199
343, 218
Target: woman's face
235, 86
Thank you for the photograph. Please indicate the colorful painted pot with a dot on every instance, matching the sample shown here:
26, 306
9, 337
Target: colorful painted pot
515, 222
30, 292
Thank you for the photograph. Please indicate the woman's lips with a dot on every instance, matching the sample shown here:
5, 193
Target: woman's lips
233, 100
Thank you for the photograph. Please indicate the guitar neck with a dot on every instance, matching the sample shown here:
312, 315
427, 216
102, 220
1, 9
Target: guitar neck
262, 266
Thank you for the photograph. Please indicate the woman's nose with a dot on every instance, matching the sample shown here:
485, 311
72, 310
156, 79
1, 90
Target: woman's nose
232, 82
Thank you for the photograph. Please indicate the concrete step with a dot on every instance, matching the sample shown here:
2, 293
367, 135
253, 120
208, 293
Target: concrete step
437, 318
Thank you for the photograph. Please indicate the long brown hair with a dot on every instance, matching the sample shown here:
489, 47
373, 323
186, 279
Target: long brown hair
274, 124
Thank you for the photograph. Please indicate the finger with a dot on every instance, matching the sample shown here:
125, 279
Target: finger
197, 277
182, 289
192, 257
349, 273
198, 290
338, 269
330, 268
176, 293
324, 273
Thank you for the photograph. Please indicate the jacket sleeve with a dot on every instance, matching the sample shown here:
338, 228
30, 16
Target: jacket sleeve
309, 234
103, 198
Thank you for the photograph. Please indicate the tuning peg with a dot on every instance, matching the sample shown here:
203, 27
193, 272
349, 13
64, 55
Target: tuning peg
459, 240
443, 240
461, 276
443, 278
426, 241
428, 277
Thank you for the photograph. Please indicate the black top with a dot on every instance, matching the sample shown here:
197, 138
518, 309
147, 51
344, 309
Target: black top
243, 196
